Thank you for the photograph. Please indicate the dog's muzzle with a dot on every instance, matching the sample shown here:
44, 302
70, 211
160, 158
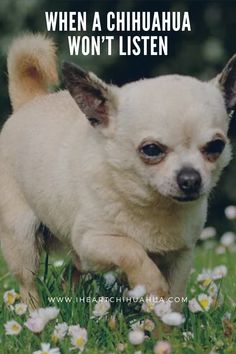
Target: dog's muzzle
189, 181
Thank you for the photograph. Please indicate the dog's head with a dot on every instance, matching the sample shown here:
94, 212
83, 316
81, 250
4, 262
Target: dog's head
165, 136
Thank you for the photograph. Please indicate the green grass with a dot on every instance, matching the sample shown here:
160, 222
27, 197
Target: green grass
207, 327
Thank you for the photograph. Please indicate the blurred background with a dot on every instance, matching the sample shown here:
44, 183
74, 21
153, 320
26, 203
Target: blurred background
202, 52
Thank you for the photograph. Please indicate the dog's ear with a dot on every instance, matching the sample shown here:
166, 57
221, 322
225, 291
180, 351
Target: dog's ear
226, 81
94, 97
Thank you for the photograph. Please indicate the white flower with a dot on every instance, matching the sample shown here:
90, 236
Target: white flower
205, 301
194, 306
148, 325
173, 318
138, 325
39, 318
144, 325
74, 330
45, 349
162, 347
226, 316
220, 250
219, 272
109, 278
138, 291
10, 297
213, 290
162, 308
188, 335
121, 347
205, 277
228, 239
60, 331
36, 324
12, 328
79, 338
20, 308
136, 337
101, 308
208, 232
58, 263
230, 212
149, 304
47, 313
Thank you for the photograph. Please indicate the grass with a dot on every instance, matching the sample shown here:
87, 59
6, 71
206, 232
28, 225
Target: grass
210, 332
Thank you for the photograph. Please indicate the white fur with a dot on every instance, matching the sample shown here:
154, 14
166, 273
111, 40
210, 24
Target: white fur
93, 191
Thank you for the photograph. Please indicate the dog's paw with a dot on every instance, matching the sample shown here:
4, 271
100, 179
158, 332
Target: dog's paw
150, 276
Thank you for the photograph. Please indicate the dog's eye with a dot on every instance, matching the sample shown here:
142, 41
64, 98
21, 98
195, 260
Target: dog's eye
152, 152
213, 149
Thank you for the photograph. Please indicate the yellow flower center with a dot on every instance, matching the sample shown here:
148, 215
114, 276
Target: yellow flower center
79, 342
10, 299
55, 338
207, 282
15, 327
44, 352
204, 303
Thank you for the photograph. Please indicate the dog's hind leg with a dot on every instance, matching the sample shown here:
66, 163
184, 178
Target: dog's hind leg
18, 241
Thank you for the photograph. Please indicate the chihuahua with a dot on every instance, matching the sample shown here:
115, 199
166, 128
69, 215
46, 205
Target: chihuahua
119, 175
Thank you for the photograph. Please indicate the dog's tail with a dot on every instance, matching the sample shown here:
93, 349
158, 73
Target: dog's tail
31, 68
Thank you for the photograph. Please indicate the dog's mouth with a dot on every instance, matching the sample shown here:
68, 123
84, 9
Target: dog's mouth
187, 197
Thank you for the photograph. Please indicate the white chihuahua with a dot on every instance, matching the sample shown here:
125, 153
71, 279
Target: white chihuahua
120, 175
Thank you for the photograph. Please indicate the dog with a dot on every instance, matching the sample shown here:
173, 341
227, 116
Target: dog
120, 175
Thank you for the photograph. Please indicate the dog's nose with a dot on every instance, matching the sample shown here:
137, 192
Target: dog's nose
189, 180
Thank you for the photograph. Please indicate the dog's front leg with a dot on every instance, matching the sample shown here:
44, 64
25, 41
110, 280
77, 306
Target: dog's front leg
178, 273
101, 252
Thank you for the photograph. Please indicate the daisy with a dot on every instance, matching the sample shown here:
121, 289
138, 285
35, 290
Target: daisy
20, 308
39, 318
60, 331
149, 304
10, 297
213, 290
228, 239
101, 308
230, 212
79, 339
138, 325
205, 277
136, 337
121, 347
220, 250
36, 324
205, 301
194, 306
137, 292
109, 278
162, 347
208, 232
219, 272
148, 325
188, 335
162, 308
45, 349
173, 319
47, 313
73, 330
12, 328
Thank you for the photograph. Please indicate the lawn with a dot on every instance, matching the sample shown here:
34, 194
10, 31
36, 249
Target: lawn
210, 331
